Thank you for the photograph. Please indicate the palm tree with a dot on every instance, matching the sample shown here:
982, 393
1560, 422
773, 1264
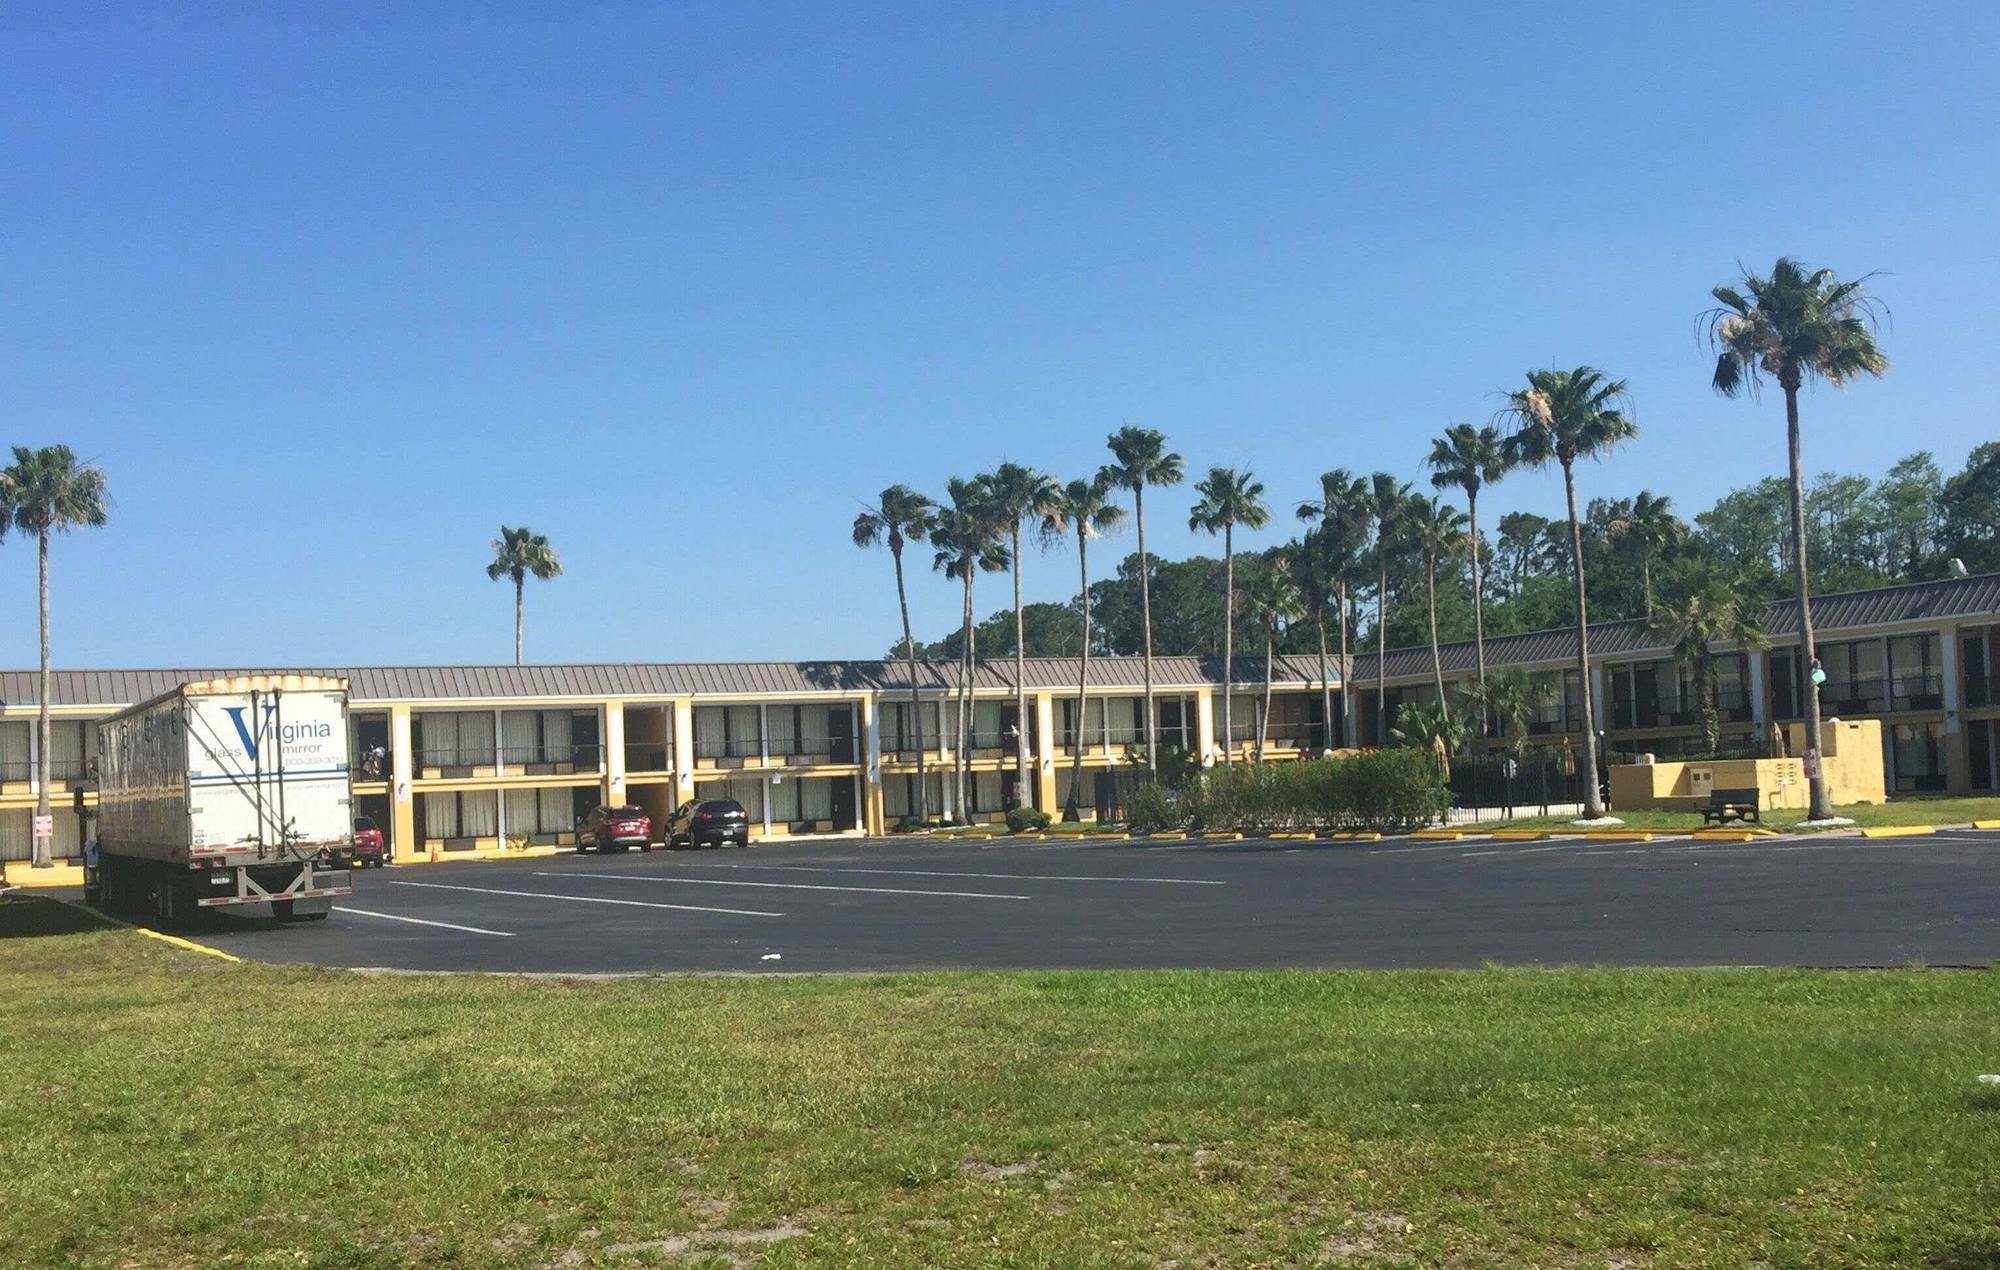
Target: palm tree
1792, 325
1470, 458
1435, 530
1344, 513
1085, 509
1141, 458
1229, 497
1020, 493
1646, 526
45, 490
1388, 499
516, 554
900, 516
1316, 571
1697, 614
1560, 417
1508, 697
967, 537
1431, 727
1273, 599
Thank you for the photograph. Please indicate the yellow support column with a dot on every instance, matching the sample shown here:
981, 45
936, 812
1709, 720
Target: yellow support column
872, 818
683, 714
614, 752
1046, 750
402, 806
1204, 725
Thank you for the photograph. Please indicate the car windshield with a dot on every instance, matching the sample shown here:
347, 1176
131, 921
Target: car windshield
626, 813
363, 823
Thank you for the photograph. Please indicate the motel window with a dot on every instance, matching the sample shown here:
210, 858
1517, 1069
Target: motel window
899, 794
1917, 758
14, 764
15, 843
746, 790
472, 813
1916, 677
539, 736
455, 738
540, 811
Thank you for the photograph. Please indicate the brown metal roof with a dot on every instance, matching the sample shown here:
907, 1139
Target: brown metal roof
1832, 615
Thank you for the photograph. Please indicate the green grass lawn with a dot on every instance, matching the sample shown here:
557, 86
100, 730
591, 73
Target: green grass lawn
164, 1108
1902, 811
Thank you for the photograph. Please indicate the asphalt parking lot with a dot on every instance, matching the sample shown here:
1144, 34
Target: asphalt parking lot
898, 905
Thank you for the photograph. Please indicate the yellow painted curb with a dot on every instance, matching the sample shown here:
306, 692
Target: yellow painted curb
1898, 831
1222, 837
1620, 835
1437, 835
1986, 824
1296, 837
1358, 835
61, 875
1171, 834
1724, 835
188, 944
1519, 835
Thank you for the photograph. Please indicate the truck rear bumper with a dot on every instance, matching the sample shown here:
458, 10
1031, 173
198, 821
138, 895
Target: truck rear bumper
268, 883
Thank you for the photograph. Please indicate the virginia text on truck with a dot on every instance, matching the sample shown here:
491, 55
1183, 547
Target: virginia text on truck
225, 791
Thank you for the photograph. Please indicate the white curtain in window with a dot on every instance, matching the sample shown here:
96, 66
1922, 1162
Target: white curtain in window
781, 734
478, 814
708, 724
517, 738
475, 736
15, 843
66, 749
816, 798
439, 734
14, 750
440, 815
897, 796
69, 836
558, 735
523, 810
743, 731
558, 808
785, 801
986, 791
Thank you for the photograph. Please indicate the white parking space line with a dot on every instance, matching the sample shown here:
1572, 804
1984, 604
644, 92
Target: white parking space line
423, 921
587, 899
1428, 846
953, 873
1547, 846
781, 886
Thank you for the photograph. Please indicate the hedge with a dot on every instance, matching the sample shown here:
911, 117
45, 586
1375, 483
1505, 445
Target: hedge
1382, 789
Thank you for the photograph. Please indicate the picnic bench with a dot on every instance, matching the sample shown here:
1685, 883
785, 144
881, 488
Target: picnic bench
1725, 805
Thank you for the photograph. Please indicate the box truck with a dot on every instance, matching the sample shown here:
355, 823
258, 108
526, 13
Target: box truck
225, 792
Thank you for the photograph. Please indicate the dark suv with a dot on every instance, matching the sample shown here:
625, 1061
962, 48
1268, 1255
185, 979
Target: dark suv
614, 829
709, 822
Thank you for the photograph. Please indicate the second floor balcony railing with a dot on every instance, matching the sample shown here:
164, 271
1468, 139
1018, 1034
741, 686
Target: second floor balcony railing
1852, 696
734, 747
825, 749
1917, 692
542, 760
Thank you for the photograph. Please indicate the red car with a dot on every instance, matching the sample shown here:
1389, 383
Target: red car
614, 829
368, 846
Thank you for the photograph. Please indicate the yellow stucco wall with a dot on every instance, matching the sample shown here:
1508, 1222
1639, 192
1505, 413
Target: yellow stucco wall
1851, 761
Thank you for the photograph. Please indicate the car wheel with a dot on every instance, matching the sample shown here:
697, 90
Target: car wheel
645, 847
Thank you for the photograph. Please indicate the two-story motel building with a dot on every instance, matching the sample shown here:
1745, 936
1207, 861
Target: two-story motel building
462, 758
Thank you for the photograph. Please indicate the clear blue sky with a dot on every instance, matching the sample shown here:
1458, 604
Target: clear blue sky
332, 290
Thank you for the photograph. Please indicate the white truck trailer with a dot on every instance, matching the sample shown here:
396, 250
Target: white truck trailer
225, 792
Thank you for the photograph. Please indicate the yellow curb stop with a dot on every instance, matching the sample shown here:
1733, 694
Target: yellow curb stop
1898, 831
188, 944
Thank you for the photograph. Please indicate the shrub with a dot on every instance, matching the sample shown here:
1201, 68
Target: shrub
1026, 819
1383, 789
1153, 808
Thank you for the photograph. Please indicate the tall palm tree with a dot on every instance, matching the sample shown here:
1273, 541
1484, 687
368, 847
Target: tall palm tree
1020, 493
1646, 526
1694, 616
1345, 515
967, 535
1140, 458
1790, 326
901, 516
517, 553
49, 490
1388, 501
1470, 458
1436, 531
1085, 509
1316, 570
1273, 599
1560, 417
1229, 497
